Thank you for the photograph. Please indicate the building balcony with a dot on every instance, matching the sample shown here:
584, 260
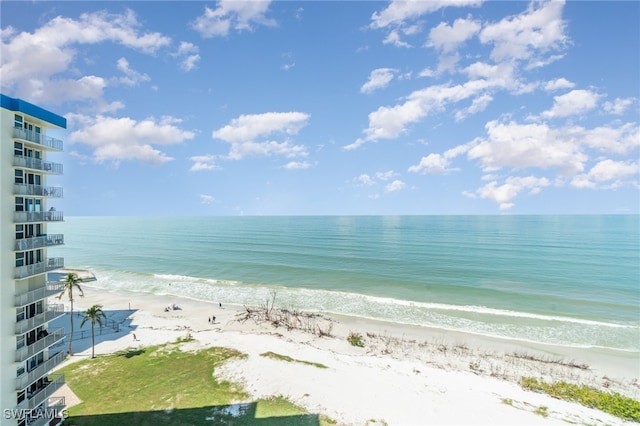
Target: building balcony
26, 217
37, 138
52, 288
55, 405
39, 371
45, 240
49, 264
39, 345
54, 382
37, 190
37, 164
52, 312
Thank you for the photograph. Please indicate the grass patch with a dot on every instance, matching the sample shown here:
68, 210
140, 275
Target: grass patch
289, 359
609, 402
163, 385
355, 339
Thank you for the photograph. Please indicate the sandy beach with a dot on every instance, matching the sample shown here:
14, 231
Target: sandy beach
402, 376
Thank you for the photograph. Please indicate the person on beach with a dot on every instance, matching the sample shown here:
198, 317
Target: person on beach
213, 320
220, 303
134, 337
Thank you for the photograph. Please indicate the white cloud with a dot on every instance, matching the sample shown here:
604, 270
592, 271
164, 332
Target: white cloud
447, 38
618, 106
609, 174
297, 165
365, 180
506, 193
575, 102
432, 164
203, 162
132, 77
206, 199
522, 37
117, 139
624, 139
232, 14
243, 131
558, 84
399, 11
396, 185
384, 176
519, 146
378, 79
479, 104
188, 54
394, 38
54, 44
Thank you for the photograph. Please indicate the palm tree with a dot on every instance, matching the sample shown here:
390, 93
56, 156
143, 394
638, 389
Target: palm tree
70, 282
95, 315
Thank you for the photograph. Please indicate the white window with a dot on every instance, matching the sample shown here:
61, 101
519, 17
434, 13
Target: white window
17, 148
19, 260
18, 121
19, 204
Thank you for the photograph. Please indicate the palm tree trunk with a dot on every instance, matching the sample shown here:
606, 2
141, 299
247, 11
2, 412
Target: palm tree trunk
71, 333
93, 344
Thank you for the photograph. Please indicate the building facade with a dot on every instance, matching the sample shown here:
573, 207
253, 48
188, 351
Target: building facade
29, 348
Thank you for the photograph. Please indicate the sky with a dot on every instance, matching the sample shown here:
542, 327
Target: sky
335, 107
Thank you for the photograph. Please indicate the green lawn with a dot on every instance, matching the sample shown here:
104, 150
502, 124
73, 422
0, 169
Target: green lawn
162, 385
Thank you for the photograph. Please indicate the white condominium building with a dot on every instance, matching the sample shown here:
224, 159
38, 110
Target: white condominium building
29, 348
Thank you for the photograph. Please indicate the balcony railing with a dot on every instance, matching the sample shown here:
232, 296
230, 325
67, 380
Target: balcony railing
45, 240
37, 138
52, 312
37, 190
28, 351
49, 264
56, 405
37, 164
51, 216
38, 397
52, 287
27, 378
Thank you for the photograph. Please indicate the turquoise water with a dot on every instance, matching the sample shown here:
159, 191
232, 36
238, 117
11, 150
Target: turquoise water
564, 280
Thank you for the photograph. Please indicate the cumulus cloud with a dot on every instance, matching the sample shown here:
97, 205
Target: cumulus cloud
131, 77
188, 54
505, 194
378, 79
558, 84
523, 37
203, 162
399, 11
380, 180
297, 165
447, 38
609, 174
23, 54
232, 15
575, 102
117, 139
242, 133
618, 106
522, 146
206, 199
396, 185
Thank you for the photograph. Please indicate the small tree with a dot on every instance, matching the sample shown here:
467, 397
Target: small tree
95, 315
70, 282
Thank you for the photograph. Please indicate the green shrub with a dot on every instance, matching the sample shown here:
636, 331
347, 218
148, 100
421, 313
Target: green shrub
356, 339
609, 402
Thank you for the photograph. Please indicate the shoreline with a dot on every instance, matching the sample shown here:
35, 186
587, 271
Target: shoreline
479, 364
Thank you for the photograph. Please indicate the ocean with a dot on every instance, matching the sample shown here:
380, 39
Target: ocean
564, 280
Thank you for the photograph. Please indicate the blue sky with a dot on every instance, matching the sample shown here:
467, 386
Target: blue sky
330, 108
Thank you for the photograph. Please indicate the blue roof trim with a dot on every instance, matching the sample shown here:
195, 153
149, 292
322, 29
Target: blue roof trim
27, 108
